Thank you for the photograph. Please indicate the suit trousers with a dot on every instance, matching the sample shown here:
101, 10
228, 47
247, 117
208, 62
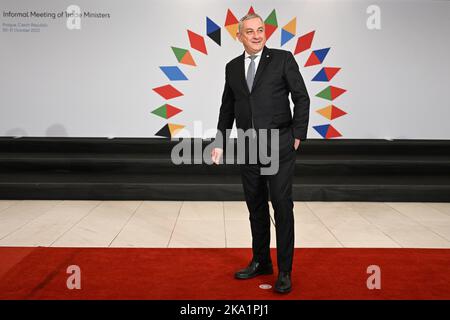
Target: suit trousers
257, 189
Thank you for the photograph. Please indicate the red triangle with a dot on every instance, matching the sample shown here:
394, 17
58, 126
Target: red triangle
270, 29
231, 19
336, 112
304, 42
332, 133
171, 111
331, 72
336, 92
312, 60
251, 10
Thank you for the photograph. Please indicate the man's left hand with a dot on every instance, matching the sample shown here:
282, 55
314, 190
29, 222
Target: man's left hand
296, 144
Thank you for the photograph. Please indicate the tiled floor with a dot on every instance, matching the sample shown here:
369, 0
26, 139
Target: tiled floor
218, 224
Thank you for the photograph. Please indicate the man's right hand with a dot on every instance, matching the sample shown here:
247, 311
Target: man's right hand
216, 154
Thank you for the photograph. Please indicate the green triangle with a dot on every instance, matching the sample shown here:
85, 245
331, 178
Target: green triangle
272, 19
325, 94
179, 53
161, 111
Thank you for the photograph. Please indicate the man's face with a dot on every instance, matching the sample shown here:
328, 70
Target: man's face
253, 35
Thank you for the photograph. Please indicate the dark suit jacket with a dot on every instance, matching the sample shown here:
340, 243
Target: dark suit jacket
267, 106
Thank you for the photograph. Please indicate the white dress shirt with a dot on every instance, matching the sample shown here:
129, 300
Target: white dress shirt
248, 60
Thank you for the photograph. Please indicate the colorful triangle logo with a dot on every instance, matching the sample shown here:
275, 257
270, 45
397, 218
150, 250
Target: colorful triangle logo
271, 24
197, 42
288, 31
326, 74
304, 42
330, 93
327, 131
183, 56
169, 130
173, 73
231, 24
331, 112
316, 57
213, 31
166, 111
167, 92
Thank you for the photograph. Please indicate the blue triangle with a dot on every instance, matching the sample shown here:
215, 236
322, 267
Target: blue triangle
211, 26
322, 130
321, 54
321, 76
173, 73
285, 36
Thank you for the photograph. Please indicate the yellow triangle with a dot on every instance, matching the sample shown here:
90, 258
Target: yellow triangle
291, 27
174, 128
233, 29
326, 112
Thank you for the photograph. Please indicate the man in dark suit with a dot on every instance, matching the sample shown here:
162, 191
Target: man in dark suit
256, 95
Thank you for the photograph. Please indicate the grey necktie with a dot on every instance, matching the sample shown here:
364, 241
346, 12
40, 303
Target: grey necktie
251, 72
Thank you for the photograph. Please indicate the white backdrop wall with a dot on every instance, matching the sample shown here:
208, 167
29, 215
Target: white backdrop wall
97, 81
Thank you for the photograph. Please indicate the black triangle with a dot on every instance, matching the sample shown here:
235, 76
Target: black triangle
215, 36
164, 132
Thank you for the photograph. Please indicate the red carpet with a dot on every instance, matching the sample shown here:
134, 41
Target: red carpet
113, 273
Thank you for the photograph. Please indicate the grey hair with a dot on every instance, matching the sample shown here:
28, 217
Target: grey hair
248, 17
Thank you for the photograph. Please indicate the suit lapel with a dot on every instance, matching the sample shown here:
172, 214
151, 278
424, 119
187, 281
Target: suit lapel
242, 73
263, 62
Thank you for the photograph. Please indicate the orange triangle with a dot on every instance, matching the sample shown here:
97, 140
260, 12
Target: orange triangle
233, 29
174, 128
291, 26
187, 59
326, 112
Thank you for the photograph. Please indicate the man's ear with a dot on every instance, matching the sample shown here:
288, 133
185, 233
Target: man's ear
238, 35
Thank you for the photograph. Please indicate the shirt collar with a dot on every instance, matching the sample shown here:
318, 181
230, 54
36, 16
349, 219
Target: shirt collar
258, 54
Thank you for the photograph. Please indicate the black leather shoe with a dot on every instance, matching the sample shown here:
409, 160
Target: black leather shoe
283, 284
254, 269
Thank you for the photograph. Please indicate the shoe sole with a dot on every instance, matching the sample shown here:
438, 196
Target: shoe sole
253, 276
283, 291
